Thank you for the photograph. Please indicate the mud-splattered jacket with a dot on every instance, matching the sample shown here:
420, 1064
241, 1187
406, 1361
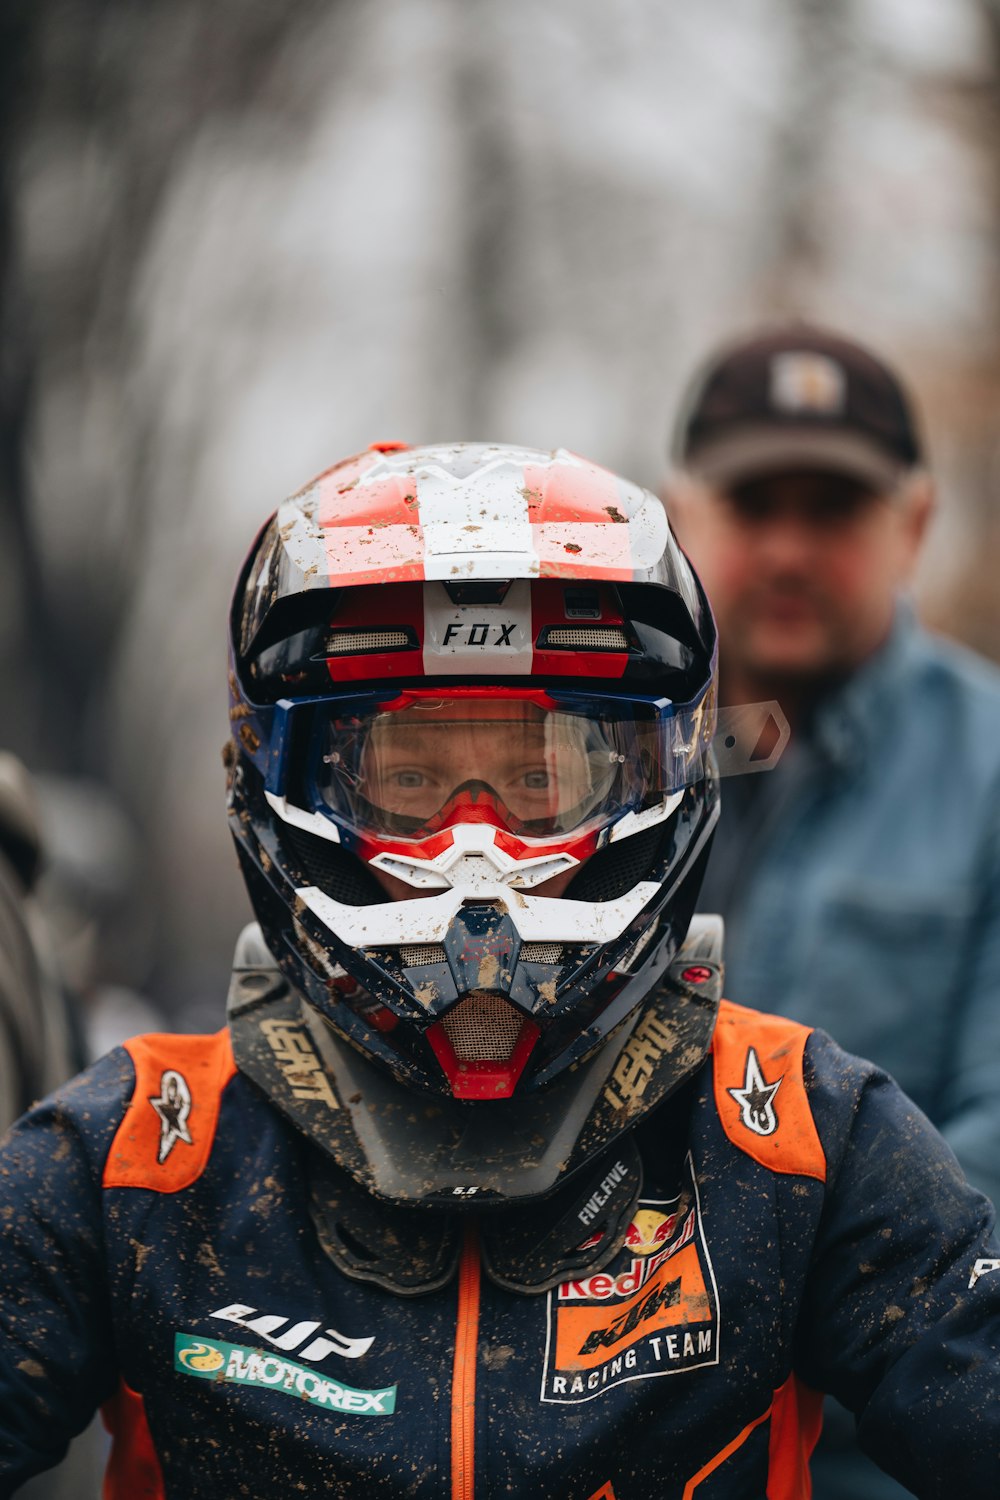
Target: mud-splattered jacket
812, 1232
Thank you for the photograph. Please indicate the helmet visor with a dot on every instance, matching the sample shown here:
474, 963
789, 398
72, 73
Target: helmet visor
529, 763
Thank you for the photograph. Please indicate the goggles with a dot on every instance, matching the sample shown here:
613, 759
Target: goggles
537, 764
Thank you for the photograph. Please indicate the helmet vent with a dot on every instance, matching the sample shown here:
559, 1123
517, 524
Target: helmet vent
483, 1027
612, 871
586, 637
624, 966
333, 869
541, 953
413, 956
350, 642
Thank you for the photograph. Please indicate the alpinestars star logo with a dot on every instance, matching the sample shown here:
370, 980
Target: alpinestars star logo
756, 1098
173, 1107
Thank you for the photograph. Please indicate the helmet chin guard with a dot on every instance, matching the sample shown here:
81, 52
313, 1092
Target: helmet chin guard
429, 1152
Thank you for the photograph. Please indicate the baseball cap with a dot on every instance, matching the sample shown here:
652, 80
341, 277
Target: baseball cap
797, 397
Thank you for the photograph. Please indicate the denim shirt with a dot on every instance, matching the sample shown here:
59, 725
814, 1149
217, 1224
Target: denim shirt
861, 886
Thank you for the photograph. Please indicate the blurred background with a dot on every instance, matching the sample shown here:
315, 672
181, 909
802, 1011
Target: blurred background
242, 239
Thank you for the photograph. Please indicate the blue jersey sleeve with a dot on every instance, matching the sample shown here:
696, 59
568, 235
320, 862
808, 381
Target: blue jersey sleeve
901, 1313
57, 1353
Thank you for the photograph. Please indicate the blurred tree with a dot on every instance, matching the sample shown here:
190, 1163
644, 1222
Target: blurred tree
25, 656
793, 245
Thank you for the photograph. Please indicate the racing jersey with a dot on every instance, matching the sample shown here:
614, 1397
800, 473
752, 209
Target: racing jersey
800, 1228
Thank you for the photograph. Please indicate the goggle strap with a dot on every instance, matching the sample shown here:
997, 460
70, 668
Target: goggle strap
750, 737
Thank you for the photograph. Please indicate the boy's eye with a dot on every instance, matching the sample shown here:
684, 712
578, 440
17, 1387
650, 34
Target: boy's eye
536, 781
409, 779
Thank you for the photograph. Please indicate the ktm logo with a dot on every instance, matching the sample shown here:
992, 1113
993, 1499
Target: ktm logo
479, 635
295, 1336
663, 1295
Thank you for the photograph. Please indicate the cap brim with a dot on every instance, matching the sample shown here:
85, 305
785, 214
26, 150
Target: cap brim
750, 452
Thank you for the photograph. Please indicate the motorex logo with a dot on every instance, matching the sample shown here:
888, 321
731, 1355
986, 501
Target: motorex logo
211, 1359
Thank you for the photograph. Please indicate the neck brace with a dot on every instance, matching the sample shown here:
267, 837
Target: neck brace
553, 1177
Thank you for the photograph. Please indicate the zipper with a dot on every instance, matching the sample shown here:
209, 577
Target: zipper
463, 1384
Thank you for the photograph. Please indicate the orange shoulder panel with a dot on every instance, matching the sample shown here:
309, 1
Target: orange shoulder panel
760, 1092
133, 1471
164, 1141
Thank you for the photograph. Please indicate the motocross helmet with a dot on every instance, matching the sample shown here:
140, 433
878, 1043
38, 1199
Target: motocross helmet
482, 678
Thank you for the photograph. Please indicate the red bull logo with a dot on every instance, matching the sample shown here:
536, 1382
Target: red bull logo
648, 1238
654, 1311
649, 1231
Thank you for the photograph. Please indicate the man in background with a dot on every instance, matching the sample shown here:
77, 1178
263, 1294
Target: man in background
859, 883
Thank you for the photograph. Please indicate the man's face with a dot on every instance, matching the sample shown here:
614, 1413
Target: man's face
802, 569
